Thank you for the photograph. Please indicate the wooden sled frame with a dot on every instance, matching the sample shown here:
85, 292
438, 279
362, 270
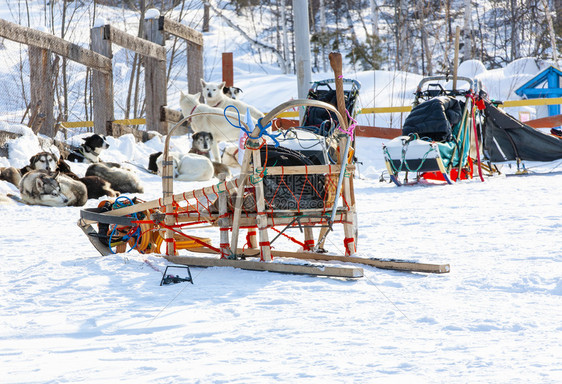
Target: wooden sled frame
162, 218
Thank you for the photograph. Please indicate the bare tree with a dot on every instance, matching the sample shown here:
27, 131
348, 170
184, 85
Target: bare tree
551, 32
281, 61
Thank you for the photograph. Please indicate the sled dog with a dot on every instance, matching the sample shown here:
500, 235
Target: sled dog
89, 151
74, 190
96, 186
231, 92
215, 97
11, 175
121, 180
215, 122
40, 187
187, 167
202, 143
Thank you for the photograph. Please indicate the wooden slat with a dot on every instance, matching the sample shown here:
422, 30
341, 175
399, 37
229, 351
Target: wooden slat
405, 108
177, 29
309, 170
545, 122
382, 133
136, 44
315, 270
74, 52
374, 262
525, 102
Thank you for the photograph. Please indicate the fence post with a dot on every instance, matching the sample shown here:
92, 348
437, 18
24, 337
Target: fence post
194, 67
155, 79
227, 69
41, 84
102, 83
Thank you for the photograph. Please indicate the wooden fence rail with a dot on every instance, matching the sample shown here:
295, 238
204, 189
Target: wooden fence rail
99, 58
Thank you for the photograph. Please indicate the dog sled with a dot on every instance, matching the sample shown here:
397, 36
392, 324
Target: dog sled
505, 139
279, 190
436, 136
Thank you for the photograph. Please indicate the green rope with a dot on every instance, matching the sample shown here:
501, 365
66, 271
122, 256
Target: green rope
404, 163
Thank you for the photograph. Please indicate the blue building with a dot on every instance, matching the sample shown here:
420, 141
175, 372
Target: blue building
545, 84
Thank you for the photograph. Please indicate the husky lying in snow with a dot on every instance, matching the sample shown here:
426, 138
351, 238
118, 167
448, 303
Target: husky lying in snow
11, 175
186, 167
89, 151
96, 186
41, 187
120, 179
215, 97
201, 143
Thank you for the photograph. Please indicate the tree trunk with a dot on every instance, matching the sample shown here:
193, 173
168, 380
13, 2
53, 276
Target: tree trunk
426, 51
514, 31
323, 37
552, 34
467, 41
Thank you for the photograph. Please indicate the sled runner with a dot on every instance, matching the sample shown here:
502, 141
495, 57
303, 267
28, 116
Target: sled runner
436, 135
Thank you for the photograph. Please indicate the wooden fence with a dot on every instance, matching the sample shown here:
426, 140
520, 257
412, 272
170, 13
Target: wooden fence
43, 45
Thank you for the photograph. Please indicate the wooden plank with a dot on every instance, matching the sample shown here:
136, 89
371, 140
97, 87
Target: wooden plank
155, 81
374, 262
308, 170
74, 52
177, 29
194, 67
227, 69
261, 218
405, 108
315, 270
545, 122
135, 44
76, 124
117, 130
382, 133
41, 86
102, 83
525, 102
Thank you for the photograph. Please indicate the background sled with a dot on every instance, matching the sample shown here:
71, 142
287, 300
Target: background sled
425, 153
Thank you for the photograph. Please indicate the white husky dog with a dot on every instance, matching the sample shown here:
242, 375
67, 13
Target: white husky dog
213, 122
41, 187
189, 166
215, 97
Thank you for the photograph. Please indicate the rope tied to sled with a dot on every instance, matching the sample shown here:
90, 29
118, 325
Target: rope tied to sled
351, 127
403, 162
262, 130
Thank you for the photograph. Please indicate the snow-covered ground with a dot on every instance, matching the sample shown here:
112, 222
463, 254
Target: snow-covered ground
68, 314
71, 315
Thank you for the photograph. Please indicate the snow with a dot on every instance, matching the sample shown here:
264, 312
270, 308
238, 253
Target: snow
152, 13
71, 315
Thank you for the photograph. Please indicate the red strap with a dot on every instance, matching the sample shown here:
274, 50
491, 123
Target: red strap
346, 242
308, 245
